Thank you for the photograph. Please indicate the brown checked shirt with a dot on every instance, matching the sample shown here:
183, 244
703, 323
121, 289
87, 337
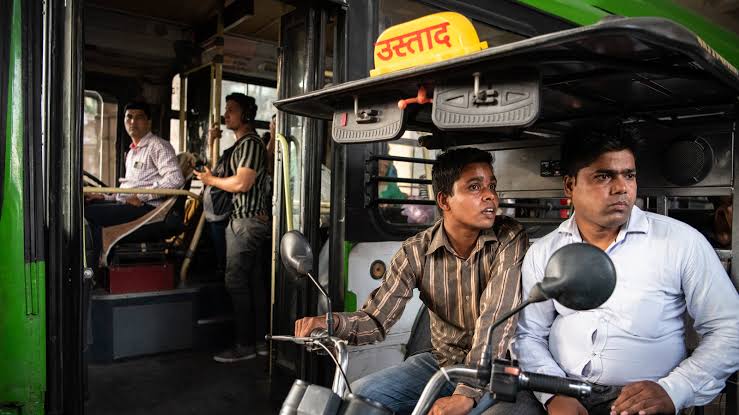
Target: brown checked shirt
464, 296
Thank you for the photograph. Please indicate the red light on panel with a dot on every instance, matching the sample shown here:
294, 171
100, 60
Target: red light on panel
564, 213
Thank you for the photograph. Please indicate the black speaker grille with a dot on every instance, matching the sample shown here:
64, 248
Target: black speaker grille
687, 161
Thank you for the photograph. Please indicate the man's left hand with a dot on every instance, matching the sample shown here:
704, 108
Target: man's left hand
134, 201
643, 398
204, 176
452, 405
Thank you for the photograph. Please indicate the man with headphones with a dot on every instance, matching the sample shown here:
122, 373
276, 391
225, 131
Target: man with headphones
248, 228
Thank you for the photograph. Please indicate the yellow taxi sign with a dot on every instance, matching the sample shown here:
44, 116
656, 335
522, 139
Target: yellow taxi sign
428, 39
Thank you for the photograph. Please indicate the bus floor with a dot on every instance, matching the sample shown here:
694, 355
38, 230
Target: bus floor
187, 382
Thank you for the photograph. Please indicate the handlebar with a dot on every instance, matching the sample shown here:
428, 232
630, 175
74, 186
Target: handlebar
505, 382
292, 339
317, 342
434, 385
554, 385
311, 342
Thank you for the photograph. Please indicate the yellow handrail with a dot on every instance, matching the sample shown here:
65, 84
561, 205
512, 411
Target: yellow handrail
284, 149
118, 190
284, 146
183, 111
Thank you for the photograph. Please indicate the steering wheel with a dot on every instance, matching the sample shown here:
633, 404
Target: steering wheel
90, 177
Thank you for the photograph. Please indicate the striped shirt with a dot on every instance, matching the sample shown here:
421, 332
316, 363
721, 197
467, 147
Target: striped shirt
464, 296
249, 152
152, 164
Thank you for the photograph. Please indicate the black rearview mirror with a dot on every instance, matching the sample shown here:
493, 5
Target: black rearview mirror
579, 276
297, 256
296, 253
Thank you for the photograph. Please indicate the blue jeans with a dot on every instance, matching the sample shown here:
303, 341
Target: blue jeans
399, 387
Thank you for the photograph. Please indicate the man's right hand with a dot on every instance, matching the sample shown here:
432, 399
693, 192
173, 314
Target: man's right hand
91, 197
214, 133
134, 201
306, 325
565, 405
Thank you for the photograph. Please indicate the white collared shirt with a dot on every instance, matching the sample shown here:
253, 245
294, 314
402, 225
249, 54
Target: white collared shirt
151, 164
662, 267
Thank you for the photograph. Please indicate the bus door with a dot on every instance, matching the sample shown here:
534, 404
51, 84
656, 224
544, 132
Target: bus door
41, 268
23, 262
307, 61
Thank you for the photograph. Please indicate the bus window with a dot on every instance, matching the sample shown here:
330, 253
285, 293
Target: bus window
398, 11
99, 132
407, 179
710, 215
174, 122
264, 97
92, 138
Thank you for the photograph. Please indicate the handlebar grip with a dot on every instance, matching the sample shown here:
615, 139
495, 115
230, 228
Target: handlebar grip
554, 384
318, 332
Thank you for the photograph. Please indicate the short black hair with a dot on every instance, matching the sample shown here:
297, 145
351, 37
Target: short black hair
583, 146
449, 166
139, 105
247, 104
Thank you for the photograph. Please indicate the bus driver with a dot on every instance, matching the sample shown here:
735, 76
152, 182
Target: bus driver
151, 163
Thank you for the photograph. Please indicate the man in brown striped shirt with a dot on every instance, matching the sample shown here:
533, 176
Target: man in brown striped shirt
467, 267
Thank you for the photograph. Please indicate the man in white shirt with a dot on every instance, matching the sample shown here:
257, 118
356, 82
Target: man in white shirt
632, 347
151, 163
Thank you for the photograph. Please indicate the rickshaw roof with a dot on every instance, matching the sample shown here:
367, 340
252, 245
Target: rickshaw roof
618, 67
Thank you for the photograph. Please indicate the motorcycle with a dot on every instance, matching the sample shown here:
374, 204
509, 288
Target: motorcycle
579, 276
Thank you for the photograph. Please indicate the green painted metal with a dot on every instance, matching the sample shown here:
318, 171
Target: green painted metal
350, 297
22, 285
585, 12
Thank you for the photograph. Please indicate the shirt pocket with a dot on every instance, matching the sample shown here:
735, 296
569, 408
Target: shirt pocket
641, 311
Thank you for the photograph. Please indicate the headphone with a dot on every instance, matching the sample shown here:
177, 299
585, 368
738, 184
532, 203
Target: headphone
250, 112
248, 106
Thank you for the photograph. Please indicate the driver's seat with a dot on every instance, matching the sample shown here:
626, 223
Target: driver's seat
144, 237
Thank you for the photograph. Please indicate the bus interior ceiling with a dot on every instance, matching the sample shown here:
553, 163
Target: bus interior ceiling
133, 49
136, 50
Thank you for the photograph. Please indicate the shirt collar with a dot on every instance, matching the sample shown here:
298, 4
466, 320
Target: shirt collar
144, 141
637, 223
439, 239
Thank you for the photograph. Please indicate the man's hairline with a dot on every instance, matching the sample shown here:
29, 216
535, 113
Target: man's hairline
633, 154
451, 192
148, 117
